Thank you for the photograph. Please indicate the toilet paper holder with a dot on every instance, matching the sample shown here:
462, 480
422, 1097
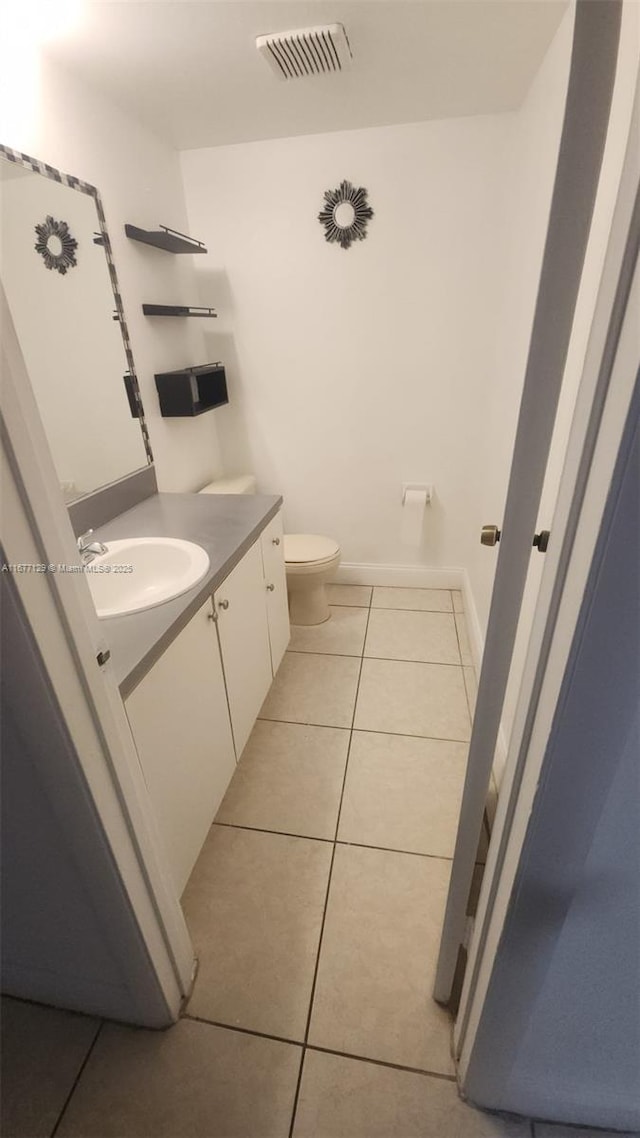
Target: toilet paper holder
408, 487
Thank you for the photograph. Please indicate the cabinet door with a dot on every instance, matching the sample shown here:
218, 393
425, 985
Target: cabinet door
276, 587
244, 639
180, 722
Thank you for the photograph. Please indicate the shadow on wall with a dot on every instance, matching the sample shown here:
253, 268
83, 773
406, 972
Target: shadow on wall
219, 342
233, 436
243, 448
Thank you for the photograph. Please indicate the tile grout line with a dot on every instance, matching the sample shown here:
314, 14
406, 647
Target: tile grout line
384, 659
265, 830
466, 692
390, 608
253, 1031
455, 625
326, 899
331, 841
463, 665
383, 1063
77, 1079
296, 1096
463, 619
366, 730
423, 1071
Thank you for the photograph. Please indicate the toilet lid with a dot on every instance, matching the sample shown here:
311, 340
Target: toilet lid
301, 547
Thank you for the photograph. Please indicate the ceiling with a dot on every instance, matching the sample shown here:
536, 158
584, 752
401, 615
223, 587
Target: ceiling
191, 72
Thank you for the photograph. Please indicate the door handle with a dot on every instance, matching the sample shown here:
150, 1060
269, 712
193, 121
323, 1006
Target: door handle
270, 588
275, 541
223, 604
490, 535
541, 540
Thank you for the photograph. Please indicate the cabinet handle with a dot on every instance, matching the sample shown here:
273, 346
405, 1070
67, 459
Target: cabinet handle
212, 616
270, 588
275, 541
223, 604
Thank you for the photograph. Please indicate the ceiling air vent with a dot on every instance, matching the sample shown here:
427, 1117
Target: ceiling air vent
307, 51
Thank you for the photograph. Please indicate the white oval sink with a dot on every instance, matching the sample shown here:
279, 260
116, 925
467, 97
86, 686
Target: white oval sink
142, 572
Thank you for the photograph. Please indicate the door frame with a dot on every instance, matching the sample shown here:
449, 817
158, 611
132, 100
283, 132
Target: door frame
610, 376
36, 530
586, 118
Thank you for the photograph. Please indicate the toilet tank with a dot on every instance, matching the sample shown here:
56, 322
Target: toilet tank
243, 484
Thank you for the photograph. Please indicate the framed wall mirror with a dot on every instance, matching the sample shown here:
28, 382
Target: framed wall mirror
61, 286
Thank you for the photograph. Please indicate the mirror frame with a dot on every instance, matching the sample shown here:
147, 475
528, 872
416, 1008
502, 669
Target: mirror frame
356, 197
74, 183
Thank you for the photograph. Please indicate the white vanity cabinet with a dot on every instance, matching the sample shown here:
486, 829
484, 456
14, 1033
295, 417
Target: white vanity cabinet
243, 628
275, 579
193, 712
253, 625
180, 722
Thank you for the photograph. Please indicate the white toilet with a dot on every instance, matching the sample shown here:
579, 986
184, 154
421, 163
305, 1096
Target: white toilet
310, 562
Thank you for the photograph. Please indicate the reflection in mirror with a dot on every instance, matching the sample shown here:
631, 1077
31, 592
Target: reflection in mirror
61, 290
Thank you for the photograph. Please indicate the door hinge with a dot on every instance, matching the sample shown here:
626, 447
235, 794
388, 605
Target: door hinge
468, 932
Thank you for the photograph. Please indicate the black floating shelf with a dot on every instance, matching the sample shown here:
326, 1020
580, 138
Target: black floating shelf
192, 390
176, 310
164, 238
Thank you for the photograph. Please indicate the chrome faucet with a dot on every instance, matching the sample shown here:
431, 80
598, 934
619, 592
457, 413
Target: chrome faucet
89, 549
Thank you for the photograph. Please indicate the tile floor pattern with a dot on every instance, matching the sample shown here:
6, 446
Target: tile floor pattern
315, 908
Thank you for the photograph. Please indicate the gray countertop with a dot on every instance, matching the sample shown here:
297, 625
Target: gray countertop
226, 525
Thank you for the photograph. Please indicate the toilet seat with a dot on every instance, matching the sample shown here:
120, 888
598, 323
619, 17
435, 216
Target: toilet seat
309, 549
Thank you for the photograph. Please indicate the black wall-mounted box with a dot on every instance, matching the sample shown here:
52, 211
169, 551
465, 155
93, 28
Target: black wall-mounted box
192, 390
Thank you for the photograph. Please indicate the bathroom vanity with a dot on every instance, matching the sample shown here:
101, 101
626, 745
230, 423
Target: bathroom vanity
194, 672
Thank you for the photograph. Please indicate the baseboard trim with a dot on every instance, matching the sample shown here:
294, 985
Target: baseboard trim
409, 576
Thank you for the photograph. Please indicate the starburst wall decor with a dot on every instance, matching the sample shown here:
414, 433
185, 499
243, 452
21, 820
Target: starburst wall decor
55, 245
345, 214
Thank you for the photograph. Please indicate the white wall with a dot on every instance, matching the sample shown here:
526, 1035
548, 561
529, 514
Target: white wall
353, 371
48, 114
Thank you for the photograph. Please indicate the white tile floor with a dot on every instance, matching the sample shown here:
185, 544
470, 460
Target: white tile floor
315, 908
